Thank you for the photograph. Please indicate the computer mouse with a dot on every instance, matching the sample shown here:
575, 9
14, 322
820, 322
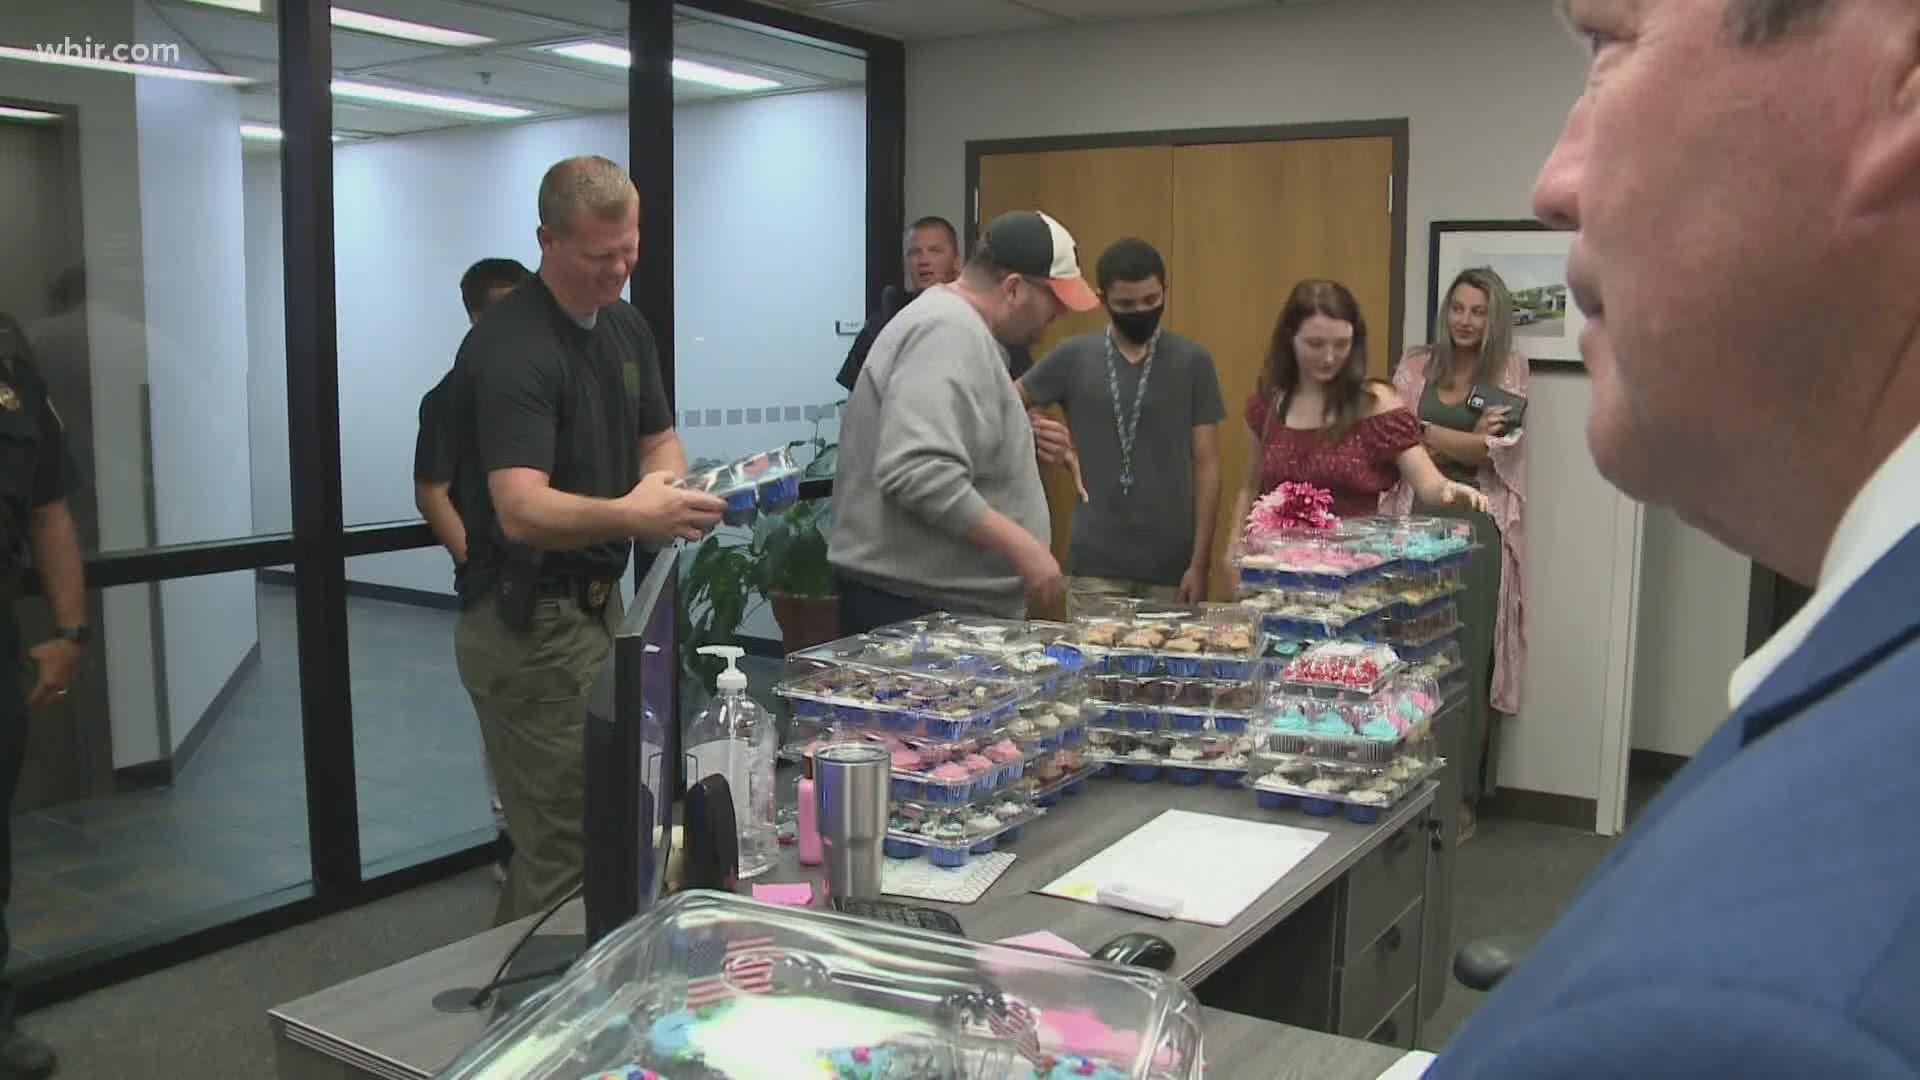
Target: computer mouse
1138, 950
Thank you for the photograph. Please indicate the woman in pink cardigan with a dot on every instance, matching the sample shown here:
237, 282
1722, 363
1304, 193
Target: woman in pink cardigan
1473, 345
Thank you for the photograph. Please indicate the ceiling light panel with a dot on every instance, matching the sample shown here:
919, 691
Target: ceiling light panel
393, 95
348, 19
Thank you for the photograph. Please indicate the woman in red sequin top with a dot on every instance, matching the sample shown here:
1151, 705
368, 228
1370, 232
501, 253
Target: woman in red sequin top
1318, 419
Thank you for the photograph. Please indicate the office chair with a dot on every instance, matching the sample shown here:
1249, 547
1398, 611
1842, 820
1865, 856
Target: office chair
1480, 964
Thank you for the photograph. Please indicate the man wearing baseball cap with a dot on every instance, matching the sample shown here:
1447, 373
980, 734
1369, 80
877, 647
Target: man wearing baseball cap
938, 503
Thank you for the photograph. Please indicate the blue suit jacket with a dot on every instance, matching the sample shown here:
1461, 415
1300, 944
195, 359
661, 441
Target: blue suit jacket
1762, 919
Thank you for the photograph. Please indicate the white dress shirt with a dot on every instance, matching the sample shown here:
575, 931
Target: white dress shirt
1885, 510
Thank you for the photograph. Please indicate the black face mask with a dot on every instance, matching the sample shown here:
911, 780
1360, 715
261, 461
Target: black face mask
1137, 326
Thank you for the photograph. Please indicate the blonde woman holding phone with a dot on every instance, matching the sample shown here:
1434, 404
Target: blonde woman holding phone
1468, 389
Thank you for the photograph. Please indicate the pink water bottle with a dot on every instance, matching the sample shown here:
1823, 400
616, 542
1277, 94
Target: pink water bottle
808, 828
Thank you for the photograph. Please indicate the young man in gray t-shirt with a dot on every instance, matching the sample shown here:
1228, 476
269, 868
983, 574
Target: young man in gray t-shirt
1143, 404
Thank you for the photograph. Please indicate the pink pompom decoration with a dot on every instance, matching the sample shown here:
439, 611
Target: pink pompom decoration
1289, 507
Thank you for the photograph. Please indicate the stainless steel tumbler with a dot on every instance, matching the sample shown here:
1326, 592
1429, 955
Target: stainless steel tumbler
850, 781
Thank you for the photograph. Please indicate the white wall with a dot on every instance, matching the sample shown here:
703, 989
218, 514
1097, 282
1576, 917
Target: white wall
1690, 637
114, 336
266, 344
193, 235
769, 252
1485, 88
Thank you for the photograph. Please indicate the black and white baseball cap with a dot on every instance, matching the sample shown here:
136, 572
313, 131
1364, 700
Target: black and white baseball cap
1029, 242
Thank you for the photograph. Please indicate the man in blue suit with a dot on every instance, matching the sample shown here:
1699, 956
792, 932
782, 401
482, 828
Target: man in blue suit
1743, 178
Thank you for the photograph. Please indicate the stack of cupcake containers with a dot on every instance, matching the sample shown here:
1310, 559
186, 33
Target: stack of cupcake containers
982, 718
1426, 558
1359, 648
1171, 692
1344, 727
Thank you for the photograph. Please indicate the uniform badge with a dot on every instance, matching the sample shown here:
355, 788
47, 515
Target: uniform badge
597, 594
9, 398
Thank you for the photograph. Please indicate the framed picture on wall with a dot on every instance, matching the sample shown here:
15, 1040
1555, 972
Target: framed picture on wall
1532, 259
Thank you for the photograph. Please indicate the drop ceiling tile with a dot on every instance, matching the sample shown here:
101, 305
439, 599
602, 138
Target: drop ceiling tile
247, 67
348, 116
511, 80
596, 14
212, 30
537, 23
1138, 9
920, 19
233, 33
719, 40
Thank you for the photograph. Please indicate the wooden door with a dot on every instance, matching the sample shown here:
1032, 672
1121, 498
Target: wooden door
1100, 195
1249, 221
1239, 225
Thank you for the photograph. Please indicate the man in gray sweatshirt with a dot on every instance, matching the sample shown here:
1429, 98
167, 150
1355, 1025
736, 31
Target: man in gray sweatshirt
937, 497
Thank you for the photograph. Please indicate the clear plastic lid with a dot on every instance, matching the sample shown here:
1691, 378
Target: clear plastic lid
715, 985
1035, 654
1414, 539
1320, 559
1354, 666
1341, 725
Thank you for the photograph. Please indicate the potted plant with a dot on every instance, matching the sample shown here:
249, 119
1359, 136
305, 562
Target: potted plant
783, 561
794, 574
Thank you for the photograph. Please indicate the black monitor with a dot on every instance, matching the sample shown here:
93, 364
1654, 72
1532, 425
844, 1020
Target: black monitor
633, 770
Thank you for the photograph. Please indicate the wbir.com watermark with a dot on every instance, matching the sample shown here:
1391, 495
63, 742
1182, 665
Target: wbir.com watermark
118, 52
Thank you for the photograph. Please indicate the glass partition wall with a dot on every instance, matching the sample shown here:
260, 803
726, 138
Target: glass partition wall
233, 235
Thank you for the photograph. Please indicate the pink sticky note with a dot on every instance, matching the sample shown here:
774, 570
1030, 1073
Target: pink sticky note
798, 893
1045, 941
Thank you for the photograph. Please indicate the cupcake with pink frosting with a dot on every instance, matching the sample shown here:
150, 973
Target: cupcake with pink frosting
951, 783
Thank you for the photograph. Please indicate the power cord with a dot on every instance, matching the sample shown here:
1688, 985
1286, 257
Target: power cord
480, 996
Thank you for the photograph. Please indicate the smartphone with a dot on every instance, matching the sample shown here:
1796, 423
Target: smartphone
1481, 398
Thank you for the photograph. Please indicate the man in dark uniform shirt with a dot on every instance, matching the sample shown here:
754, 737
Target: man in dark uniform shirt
484, 283
36, 476
568, 454
933, 258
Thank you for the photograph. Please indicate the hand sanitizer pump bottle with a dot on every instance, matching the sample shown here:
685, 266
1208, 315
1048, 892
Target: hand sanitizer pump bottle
736, 738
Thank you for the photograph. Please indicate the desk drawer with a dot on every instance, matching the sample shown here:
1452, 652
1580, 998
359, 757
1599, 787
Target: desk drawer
1380, 886
1400, 1026
1372, 984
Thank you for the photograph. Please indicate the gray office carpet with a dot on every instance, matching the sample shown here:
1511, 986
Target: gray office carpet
208, 1017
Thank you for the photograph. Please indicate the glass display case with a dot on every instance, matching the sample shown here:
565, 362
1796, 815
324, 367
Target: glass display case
715, 985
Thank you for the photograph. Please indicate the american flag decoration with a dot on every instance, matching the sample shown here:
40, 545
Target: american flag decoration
1008, 1018
743, 965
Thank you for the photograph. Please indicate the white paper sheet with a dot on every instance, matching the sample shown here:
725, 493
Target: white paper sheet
1411, 1067
1215, 866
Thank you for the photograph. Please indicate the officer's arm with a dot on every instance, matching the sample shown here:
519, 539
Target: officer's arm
56, 554
663, 452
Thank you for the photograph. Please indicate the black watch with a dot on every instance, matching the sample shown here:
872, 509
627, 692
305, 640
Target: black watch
79, 635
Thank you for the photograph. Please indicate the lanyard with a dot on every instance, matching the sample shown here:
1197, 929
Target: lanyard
1128, 426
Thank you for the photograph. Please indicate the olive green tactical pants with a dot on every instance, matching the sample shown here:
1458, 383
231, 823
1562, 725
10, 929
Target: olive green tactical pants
530, 692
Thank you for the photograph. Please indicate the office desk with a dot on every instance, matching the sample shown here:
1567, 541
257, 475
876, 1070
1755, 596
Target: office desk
1335, 946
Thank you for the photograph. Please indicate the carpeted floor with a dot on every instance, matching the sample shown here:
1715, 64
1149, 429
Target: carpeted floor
208, 1017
